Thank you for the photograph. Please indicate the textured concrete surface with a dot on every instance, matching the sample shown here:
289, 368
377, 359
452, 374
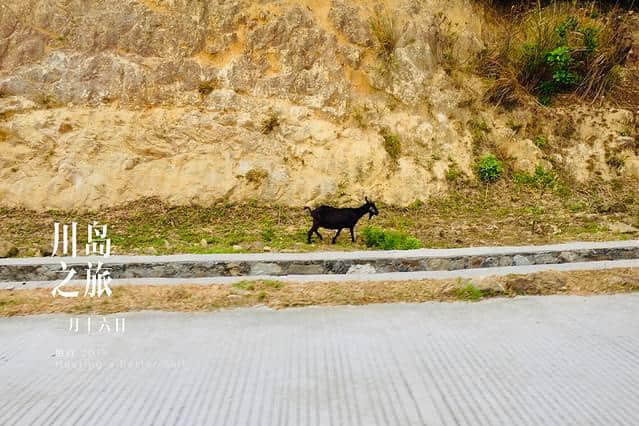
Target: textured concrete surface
388, 276
280, 264
524, 361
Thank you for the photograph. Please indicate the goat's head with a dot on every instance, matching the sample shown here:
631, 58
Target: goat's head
371, 208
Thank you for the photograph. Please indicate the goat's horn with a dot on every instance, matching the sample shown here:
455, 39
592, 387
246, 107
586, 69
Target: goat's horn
366, 198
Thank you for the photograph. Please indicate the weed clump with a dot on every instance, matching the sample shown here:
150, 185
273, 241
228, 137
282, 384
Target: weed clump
453, 173
46, 100
273, 284
256, 176
469, 293
541, 142
392, 145
270, 123
489, 168
479, 131
268, 233
206, 87
389, 240
385, 34
244, 285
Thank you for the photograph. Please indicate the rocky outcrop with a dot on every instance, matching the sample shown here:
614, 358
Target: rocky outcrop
103, 102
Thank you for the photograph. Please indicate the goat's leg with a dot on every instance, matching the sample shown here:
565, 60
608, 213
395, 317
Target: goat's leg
310, 234
337, 235
352, 235
318, 234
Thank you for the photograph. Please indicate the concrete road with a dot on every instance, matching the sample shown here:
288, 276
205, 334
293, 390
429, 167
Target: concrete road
525, 361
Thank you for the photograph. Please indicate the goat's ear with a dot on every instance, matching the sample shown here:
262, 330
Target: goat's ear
366, 199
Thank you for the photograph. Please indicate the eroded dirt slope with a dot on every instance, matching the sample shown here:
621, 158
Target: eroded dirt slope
106, 102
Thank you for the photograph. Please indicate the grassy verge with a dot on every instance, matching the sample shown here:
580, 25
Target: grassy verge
278, 294
503, 213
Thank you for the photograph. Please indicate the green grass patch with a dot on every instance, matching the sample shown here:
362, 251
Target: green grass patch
273, 284
469, 293
541, 178
245, 285
389, 239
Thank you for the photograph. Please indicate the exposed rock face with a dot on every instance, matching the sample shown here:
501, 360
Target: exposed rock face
103, 102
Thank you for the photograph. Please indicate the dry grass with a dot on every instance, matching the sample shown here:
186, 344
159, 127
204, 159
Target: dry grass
384, 30
278, 295
270, 123
598, 45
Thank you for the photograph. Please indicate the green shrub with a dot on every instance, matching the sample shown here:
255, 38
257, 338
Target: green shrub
542, 178
489, 168
569, 24
560, 63
591, 39
388, 239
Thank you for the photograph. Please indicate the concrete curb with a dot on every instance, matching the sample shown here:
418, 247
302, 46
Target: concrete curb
319, 263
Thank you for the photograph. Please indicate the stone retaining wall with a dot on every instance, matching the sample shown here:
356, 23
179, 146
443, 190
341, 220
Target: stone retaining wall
50, 270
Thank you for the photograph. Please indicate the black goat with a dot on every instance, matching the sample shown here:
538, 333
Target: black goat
338, 218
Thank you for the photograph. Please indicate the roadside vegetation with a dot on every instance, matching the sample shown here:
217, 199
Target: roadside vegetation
278, 294
489, 168
556, 48
389, 240
515, 209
